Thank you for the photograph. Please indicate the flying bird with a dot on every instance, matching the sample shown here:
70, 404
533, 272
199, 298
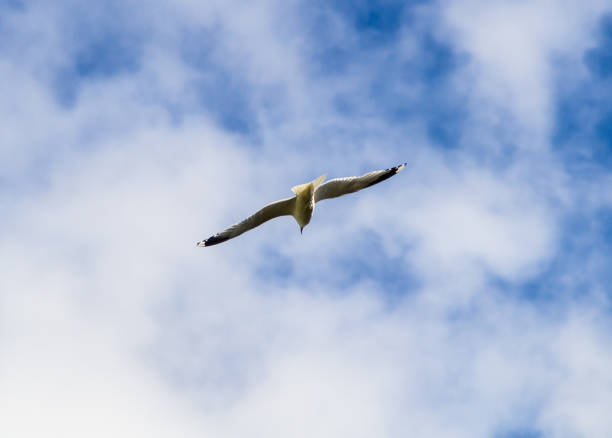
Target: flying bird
301, 205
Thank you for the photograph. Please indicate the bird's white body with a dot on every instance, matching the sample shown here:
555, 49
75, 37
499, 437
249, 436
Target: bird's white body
304, 201
301, 206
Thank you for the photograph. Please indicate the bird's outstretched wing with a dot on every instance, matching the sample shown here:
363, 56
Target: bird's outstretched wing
343, 186
279, 208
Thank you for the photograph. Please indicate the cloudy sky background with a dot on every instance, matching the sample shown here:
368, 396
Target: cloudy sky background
469, 296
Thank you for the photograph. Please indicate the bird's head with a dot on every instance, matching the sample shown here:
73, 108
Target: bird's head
302, 224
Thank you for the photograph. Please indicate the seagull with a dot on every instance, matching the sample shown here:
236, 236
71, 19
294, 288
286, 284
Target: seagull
301, 205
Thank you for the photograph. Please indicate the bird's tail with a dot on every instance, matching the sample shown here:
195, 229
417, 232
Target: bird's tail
298, 190
317, 182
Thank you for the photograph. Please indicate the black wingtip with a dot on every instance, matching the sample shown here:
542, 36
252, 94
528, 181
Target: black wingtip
212, 240
388, 174
203, 243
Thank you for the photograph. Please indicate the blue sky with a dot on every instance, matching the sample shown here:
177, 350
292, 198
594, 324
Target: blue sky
467, 297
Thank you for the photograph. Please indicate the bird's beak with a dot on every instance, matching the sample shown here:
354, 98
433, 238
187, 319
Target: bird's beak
301, 229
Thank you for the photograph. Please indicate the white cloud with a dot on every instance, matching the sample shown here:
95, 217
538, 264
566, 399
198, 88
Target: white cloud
113, 323
514, 46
